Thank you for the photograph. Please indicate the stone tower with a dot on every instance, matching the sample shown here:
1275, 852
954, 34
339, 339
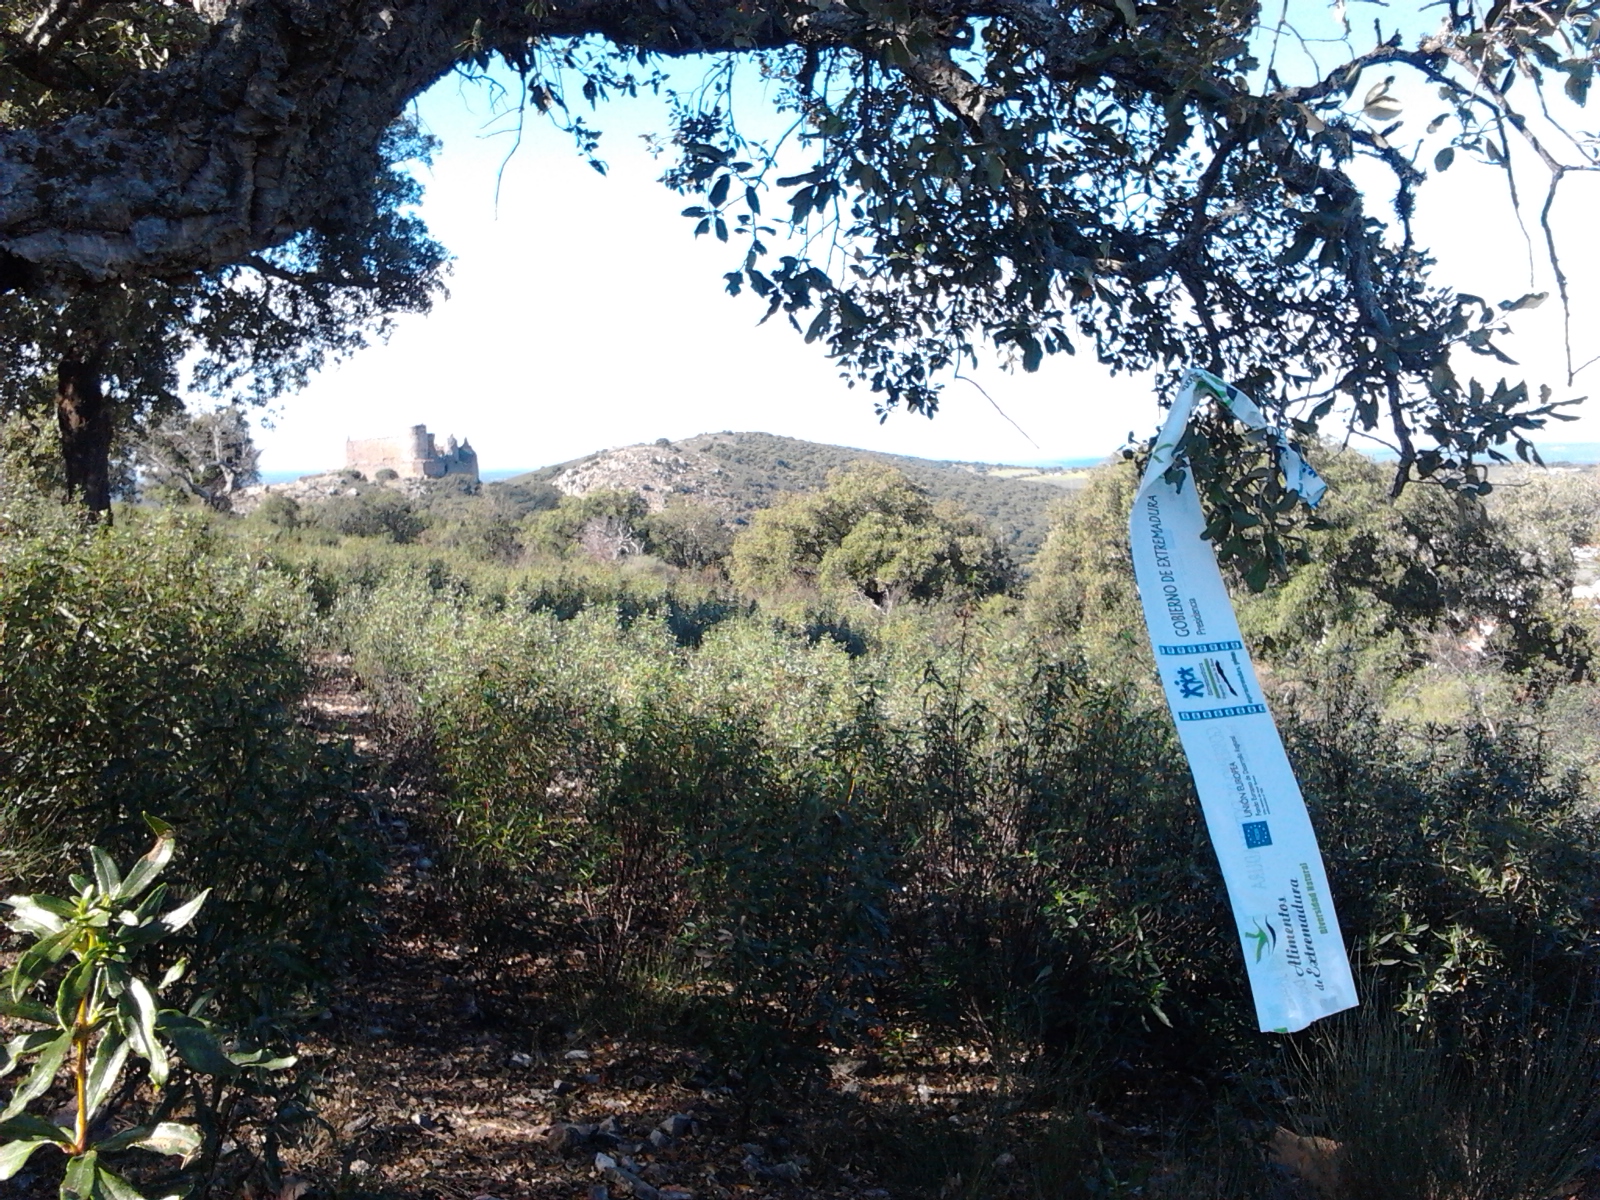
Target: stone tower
412, 455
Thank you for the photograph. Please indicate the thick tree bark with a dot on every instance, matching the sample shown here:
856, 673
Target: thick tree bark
274, 124
84, 417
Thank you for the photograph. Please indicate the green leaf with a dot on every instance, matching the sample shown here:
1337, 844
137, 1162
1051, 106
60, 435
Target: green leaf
1443, 159
115, 1187
1579, 76
159, 827
195, 1044
24, 1044
1531, 300
39, 915
179, 917
173, 973
169, 1137
105, 1068
42, 1076
29, 1126
138, 1008
257, 1060
74, 988
78, 1183
719, 190
144, 871
106, 875
122, 1139
139, 926
14, 1155
26, 1010
46, 952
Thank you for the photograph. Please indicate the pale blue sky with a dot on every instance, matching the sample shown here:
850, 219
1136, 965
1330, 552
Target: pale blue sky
583, 314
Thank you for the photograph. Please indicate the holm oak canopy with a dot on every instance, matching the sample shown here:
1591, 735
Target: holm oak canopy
1147, 180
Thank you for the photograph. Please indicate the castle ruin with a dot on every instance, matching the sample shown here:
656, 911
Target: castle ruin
412, 455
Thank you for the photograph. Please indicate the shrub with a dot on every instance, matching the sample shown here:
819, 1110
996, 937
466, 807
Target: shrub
279, 510
953, 829
1465, 867
1515, 1120
147, 673
378, 512
102, 1013
688, 534
1387, 583
874, 537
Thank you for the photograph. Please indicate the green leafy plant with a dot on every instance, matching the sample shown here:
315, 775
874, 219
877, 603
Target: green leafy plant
101, 1013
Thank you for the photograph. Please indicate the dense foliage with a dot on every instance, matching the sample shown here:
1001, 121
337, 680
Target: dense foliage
1385, 584
870, 535
954, 825
114, 360
1176, 185
86, 957
797, 825
146, 673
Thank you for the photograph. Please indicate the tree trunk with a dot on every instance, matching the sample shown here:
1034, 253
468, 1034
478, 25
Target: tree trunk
84, 418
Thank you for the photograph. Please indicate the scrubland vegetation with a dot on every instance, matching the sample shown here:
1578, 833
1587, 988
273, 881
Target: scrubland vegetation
886, 797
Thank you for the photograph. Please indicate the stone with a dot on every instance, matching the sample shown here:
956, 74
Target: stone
576, 1056
660, 1140
1315, 1160
677, 1125
613, 1127
563, 1087
623, 1177
787, 1171
568, 1139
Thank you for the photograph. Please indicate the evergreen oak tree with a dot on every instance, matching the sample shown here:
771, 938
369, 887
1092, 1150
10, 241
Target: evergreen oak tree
1149, 180
870, 535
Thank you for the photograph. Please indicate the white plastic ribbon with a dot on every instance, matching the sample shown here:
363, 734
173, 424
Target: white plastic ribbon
1293, 952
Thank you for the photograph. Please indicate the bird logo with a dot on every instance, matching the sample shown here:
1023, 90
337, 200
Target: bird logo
1264, 937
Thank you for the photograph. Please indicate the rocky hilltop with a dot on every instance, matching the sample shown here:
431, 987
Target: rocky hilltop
738, 473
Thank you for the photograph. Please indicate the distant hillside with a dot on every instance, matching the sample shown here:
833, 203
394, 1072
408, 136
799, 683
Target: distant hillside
738, 473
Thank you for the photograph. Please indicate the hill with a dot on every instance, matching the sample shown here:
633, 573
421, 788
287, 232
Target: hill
738, 473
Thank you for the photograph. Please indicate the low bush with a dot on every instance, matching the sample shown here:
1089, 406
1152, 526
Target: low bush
371, 512
145, 673
953, 830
